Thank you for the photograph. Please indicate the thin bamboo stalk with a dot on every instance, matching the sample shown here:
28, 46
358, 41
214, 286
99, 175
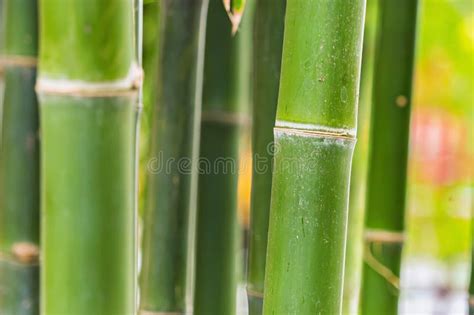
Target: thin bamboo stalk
225, 94
167, 212
355, 223
267, 43
387, 176
88, 87
19, 162
314, 141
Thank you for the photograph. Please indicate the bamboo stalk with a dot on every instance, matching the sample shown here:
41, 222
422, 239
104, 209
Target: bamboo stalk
225, 94
88, 87
167, 212
314, 141
19, 162
355, 223
268, 42
387, 176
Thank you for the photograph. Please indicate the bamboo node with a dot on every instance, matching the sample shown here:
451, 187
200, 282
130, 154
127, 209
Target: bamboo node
128, 86
313, 130
254, 294
225, 118
471, 300
25, 252
383, 236
18, 60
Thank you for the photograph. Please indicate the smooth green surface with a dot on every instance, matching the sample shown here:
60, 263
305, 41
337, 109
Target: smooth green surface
355, 221
319, 86
19, 160
268, 42
225, 96
305, 256
88, 231
86, 40
19, 21
19, 191
216, 249
19, 287
392, 92
321, 63
166, 213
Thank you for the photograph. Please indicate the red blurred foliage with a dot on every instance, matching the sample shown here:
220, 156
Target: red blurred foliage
439, 148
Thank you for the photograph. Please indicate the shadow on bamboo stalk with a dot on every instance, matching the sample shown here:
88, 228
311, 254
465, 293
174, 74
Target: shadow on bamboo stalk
19, 162
387, 176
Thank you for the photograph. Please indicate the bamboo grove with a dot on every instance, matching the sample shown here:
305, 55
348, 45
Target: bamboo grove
119, 181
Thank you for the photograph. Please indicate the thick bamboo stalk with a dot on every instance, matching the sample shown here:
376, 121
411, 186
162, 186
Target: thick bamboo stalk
387, 176
355, 221
88, 86
225, 95
267, 43
165, 239
314, 141
19, 162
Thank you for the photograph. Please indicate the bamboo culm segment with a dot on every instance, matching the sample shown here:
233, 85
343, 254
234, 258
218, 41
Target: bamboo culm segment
70, 30
19, 160
314, 140
225, 94
355, 221
268, 42
167, 209
88, 133
88, 236
387, 176
19, 195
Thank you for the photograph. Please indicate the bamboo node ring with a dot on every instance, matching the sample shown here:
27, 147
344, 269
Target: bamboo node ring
18, 60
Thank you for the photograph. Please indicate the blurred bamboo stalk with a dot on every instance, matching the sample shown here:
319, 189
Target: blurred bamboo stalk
225, 96
355, 223
88, 88
267, 47
314, 140
163, 279
19, 161
387, 175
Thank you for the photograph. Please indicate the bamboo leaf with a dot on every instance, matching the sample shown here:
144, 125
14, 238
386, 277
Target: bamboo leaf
235, 10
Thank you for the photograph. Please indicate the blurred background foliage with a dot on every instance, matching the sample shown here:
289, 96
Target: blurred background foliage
442, 151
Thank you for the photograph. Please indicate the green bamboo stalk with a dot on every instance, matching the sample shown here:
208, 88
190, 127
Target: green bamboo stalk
88, 86
167, 211
225, 94
355, 221
268, 42
19, 162
387, 176
314, 141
